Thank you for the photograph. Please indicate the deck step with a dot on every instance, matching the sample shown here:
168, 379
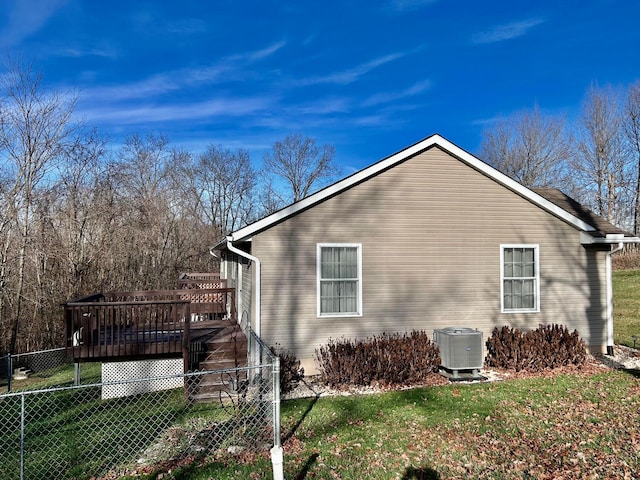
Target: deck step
223, 364
226, 354
21, 373
215, 397
223, 386
226, 349
228, 334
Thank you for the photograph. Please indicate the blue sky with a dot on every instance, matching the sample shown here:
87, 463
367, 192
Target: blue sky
369, 78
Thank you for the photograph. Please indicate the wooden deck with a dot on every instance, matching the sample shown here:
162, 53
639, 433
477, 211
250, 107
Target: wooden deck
148, 324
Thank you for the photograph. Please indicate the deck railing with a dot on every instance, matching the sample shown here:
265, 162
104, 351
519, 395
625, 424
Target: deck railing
201, 280
143, 324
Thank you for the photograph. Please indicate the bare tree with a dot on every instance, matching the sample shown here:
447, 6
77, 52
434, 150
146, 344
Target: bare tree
301, 163
529, 147
223, 183
79, 221
34, 125
631, 125
269, 198
143, 175
602, 164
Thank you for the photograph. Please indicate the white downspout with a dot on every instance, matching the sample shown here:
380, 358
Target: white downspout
609, 275
250, 257
276, 451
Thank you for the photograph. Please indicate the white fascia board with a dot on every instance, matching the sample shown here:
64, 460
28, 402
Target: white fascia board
609, 239
433, 140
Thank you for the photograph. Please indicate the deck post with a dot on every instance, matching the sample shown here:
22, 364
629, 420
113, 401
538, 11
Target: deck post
186, 343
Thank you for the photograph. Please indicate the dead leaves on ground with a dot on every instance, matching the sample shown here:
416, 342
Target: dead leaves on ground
591, 430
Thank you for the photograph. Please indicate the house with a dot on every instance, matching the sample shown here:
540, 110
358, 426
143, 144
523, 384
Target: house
427, 238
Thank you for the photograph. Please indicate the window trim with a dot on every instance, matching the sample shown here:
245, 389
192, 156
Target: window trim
536, 259
319, 248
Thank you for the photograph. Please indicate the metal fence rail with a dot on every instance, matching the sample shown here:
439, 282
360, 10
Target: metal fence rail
110, 428
44, 364
5, 372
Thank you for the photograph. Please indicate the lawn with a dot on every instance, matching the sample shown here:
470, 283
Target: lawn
582, 425
571, 426
626, 307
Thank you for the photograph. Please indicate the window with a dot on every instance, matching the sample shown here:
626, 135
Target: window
339, 279
520, 278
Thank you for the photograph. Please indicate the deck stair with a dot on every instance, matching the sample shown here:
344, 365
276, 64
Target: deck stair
21, 373
226, 349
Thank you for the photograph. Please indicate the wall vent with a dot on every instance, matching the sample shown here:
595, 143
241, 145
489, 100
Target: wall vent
460, 348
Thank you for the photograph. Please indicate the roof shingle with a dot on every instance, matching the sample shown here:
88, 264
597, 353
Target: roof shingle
574, 207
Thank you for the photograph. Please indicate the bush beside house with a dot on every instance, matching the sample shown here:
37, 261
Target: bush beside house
388, 359
548, 346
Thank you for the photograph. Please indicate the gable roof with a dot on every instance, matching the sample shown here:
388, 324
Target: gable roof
574, 215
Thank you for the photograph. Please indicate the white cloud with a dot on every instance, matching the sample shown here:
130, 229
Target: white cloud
23, 18
507, 31
149, 87
104, 52
323, 107
155, 113
402, 6
265, 52
175, 80
371, 121
186, 26
380, 98
351, 75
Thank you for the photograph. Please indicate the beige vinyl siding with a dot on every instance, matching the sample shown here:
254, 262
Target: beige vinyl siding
244, 290
431, 229
240, 277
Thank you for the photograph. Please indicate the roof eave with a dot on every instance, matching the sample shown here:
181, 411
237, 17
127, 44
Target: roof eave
609, 239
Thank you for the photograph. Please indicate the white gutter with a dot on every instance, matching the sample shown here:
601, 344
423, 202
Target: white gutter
609, 275
250, 257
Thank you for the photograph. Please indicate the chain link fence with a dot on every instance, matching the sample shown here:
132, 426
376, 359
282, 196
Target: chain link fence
5, 373
24, 369
108, 429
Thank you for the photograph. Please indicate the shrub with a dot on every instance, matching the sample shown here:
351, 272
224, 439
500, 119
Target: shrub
290, 370
386, 359
628, 259
548, 346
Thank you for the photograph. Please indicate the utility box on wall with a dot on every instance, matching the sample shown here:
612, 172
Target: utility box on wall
460, 348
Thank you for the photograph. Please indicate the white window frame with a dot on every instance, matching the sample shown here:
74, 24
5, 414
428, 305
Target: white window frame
319, 248
536, 278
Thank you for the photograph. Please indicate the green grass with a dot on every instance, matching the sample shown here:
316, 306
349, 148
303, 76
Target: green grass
626, 306
59, 377
536, 428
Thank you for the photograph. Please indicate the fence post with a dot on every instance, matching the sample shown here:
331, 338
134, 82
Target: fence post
9, 371
276, 451
22, 413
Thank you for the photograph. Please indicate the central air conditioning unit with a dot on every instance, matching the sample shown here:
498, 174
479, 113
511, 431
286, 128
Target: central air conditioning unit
460, 349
